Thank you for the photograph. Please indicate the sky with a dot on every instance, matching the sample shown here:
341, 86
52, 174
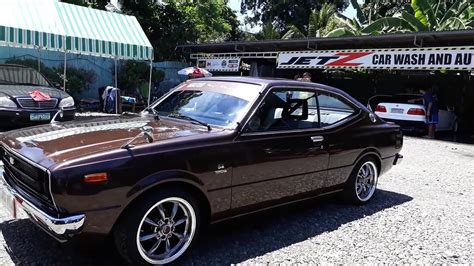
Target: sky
235, 5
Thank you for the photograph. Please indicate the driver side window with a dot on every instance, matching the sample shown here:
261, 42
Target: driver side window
285, 109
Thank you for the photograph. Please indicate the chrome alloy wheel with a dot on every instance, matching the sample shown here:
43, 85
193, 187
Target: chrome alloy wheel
366, 181
166, 230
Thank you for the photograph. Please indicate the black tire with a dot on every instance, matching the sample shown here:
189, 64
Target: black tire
126, 232
350, 193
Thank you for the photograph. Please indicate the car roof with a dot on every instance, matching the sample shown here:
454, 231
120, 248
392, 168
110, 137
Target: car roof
265, 81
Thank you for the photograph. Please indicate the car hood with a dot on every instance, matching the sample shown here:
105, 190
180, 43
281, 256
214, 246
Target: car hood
53, 144
24, 91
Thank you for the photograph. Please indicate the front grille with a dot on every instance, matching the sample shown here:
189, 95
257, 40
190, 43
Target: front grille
27, 176
32, 104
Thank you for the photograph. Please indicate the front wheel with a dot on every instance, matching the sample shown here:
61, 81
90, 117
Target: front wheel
158, 229
362, 183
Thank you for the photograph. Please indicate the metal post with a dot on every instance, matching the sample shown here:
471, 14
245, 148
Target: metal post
116, 72
149, 84
65, 67
39, 59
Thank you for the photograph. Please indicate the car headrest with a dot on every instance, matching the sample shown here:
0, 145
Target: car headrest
294, 104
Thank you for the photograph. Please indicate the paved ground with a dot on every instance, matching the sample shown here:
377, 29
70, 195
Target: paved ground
422, 213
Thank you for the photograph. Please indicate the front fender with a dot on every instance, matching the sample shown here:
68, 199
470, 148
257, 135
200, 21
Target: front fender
164, 177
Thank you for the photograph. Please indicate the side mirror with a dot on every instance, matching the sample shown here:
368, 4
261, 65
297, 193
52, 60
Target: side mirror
148, 133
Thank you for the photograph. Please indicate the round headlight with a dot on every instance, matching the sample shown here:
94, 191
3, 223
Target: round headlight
66, 102
7, 103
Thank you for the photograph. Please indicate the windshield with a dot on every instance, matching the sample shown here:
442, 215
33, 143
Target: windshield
209, 102
21, 75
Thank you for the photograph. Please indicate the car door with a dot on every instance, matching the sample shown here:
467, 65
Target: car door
345, 140
280, 154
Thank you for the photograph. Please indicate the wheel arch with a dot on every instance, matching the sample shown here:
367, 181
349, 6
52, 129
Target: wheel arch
372, 151
166, 180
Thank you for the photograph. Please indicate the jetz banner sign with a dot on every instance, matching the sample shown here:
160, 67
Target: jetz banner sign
220, 64
446, 58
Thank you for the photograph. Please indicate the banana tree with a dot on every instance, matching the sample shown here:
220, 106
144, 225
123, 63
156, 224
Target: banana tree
426, 15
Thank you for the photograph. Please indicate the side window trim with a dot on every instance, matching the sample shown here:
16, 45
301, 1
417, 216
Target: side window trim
357, 111
261, 101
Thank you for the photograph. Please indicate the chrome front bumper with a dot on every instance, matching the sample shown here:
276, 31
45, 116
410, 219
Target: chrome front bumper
59, 228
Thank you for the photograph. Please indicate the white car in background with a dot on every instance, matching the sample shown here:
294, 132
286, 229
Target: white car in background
408, 111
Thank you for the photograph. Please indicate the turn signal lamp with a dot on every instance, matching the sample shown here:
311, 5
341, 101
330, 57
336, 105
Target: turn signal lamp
416, 111
95, 178
381, 108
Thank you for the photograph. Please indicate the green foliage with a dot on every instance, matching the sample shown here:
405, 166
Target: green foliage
268, 32
372, 10
98, 4
320, 22
213, 20
422, 15
360, 14
133, 74
293, 33
76, 2
283, 13
423, 12
78, 79
386, 24
184, 21
165, 25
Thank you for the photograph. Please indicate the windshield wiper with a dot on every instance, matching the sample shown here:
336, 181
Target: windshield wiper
185, 117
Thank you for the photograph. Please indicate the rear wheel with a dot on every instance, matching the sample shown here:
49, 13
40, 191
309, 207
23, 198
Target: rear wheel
158, 229
362, 183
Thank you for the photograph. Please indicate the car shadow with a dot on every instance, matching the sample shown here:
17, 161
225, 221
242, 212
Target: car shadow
224, 243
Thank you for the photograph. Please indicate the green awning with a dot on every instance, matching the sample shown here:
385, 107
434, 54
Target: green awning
57, 26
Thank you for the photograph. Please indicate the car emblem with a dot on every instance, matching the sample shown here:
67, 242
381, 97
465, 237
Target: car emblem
220, 169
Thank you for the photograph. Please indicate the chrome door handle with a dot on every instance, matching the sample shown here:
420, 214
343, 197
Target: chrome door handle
317, 139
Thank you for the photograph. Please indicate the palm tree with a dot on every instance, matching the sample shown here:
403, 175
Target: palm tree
425, 15
269, 32
317, 24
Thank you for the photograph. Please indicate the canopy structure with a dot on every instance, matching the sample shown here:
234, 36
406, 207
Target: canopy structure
56, 26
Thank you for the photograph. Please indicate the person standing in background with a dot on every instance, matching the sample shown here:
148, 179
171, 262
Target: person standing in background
430, 101
306, 77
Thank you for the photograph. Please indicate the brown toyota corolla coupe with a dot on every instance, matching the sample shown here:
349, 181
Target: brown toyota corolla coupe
209, 150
